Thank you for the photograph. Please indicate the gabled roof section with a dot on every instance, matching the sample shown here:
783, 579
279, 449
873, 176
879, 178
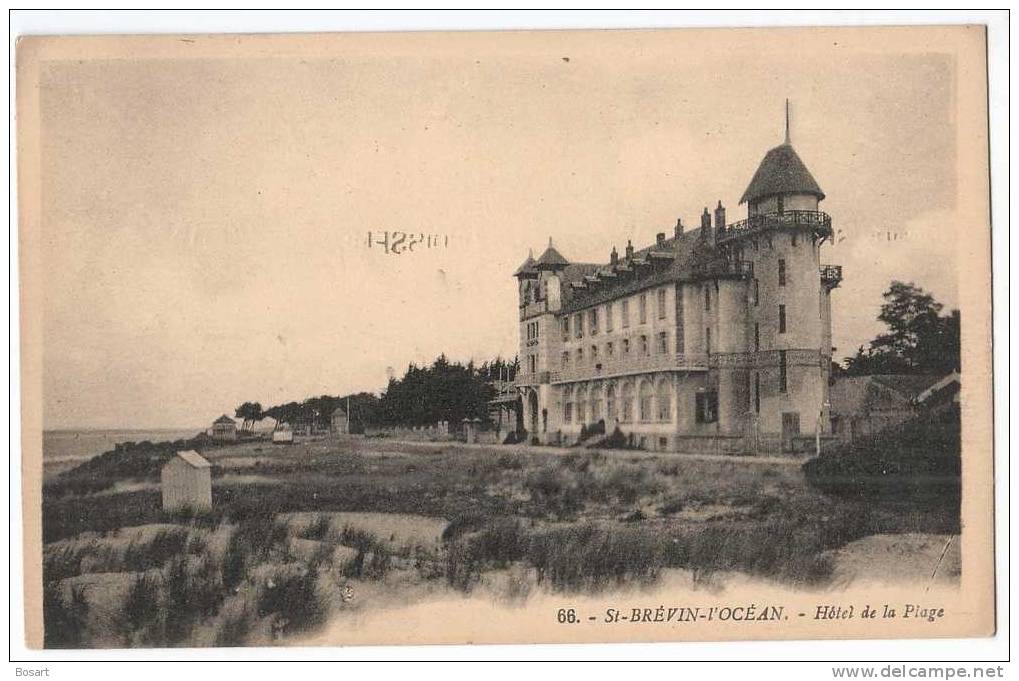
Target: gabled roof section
781, 172
193, 459
225, 419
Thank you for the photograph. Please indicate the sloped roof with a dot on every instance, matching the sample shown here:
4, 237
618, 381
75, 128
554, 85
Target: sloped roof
225, 419
910, 385
851, 394
551, 259
781, 172
194, 459
526, 267
686, 253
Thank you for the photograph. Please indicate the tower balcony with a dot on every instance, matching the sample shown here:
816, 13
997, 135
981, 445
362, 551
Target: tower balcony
831, 276
724, 269
817, 222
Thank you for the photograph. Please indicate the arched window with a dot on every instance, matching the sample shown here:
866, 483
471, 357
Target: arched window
646, 392
610, 402
664, 394
627, 395
596, 404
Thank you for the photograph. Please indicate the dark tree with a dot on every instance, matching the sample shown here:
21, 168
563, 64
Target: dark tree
919, 338
250, 412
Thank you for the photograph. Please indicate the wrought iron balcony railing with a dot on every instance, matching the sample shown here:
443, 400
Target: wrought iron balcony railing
633, 363
742, 269
815, 220
831, 275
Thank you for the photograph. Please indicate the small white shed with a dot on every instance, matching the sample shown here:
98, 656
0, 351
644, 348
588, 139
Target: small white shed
187, 482
283, 435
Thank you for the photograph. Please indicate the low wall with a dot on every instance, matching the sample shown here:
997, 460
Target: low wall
430, 434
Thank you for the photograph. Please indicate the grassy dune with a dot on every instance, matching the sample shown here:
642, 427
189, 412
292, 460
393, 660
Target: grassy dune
295, 531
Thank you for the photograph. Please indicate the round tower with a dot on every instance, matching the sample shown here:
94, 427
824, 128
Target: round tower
789, 328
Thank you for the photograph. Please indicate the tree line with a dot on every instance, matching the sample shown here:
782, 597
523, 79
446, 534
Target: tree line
424, 395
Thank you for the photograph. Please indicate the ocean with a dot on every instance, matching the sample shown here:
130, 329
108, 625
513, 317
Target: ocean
64, 449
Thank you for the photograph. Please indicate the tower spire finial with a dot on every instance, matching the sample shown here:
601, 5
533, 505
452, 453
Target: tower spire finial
787, 121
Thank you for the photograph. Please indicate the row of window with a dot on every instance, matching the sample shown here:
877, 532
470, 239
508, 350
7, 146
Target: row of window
643, 349
662, 344
532, 330
592, 317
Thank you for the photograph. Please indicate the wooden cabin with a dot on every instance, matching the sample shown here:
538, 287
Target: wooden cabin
186, 481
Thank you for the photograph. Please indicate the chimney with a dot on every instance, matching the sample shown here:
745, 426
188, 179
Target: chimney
679, 227
660, 238
705, 223
629, 249
720, 218
614, 257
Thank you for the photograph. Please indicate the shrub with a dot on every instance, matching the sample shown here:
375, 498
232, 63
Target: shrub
318, 529
373, 559
554, 489
293, 602
617, 440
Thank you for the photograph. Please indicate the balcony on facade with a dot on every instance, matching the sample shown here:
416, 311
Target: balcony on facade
818, 222
634, 363
831, 276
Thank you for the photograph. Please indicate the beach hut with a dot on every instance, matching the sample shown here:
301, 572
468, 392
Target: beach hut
283, 435
224, 428
187, 482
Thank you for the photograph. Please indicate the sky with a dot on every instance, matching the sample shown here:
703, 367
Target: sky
205, 217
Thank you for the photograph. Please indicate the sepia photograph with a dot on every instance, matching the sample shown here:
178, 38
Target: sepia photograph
505, 337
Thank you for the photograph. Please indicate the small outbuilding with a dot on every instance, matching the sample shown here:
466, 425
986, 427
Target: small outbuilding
224, 428
339, 422
187, 482
283, 434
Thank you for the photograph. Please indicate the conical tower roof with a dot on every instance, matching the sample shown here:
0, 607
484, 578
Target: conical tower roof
781, 172
551, 259
527, 267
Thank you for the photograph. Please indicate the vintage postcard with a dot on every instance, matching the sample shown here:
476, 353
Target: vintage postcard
505, 337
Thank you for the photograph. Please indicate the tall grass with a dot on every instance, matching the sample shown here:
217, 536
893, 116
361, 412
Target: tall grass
64, 623
294, 603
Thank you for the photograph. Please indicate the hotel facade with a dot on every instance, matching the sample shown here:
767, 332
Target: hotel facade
711, 339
